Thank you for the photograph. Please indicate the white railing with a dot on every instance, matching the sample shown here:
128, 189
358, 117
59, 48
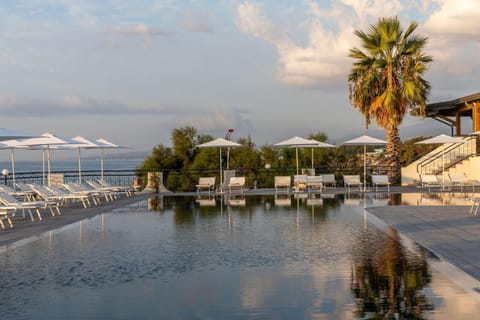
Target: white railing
447, 156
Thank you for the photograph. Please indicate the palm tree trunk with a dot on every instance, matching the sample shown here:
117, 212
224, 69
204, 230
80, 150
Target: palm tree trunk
393, 153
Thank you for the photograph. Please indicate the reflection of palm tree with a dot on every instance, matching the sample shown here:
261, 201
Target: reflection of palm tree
387, 281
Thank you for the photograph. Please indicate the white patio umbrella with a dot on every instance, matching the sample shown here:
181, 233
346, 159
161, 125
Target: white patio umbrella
105, 144
442, 139
297, 142
365, 141
78, 143
44, 142
12, 145
219, 143
320, 144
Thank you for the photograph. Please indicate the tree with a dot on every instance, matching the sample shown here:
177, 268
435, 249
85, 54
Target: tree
386, 80
183, 140
160, 159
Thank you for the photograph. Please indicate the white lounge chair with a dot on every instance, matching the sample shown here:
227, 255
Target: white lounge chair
236, 183
282, 183
430, 181
6, 212
11, 201
84, 197
314, 183
206, 183
475, 205
300, 182
81, 189
352, 181
329, 179
109, 193
458, 180
380, 181
127, 190
59, 199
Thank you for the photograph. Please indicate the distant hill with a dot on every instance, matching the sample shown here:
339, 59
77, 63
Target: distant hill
120, 155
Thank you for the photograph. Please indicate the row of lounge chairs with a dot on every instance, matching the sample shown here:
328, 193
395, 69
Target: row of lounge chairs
300, 182
451, 181
235, 184
31, 199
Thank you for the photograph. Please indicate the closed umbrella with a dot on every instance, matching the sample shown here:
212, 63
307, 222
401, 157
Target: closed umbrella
219, 143
442, 139
365, 141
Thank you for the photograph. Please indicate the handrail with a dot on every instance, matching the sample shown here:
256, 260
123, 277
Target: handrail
447, 156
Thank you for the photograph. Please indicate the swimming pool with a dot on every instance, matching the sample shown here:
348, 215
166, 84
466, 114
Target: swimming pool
258, 257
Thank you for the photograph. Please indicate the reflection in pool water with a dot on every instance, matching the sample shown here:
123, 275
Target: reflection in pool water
255, 258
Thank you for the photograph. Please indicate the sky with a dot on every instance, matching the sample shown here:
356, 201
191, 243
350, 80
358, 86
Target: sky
131, 71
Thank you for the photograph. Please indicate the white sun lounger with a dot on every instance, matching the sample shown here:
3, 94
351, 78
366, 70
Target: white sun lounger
314, 183
11, 201
329, 179
282, 183
380, 181
352, 181
430, 181
206, 183
236, 183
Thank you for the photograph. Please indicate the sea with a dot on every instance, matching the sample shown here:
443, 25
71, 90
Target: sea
72, 165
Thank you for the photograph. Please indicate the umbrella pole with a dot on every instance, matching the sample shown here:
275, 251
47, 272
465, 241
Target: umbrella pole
312, 162
364, 168
443, 169
221, 182
12, 154
101, 163
43, 166
48, 165
79, 166
296, 157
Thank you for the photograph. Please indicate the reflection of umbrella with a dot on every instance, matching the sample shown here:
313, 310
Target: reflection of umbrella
442, 138
365, 140
320, 144
44, 142
219, 143
105, 144
297, 142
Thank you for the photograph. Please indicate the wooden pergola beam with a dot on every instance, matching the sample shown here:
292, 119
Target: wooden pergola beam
476, 116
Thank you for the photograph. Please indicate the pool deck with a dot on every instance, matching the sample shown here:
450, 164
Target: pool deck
450, 233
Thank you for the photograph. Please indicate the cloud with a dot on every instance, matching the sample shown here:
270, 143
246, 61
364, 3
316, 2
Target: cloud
454, 38
139, 29
197, 21
218, 120
456, 19
323, 58
73, 105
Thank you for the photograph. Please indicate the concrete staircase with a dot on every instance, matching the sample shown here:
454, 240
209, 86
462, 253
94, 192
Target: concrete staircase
453, 157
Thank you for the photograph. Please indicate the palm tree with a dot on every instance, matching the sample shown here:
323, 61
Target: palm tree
386, 80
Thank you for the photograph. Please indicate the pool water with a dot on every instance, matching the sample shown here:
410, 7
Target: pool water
258, 257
